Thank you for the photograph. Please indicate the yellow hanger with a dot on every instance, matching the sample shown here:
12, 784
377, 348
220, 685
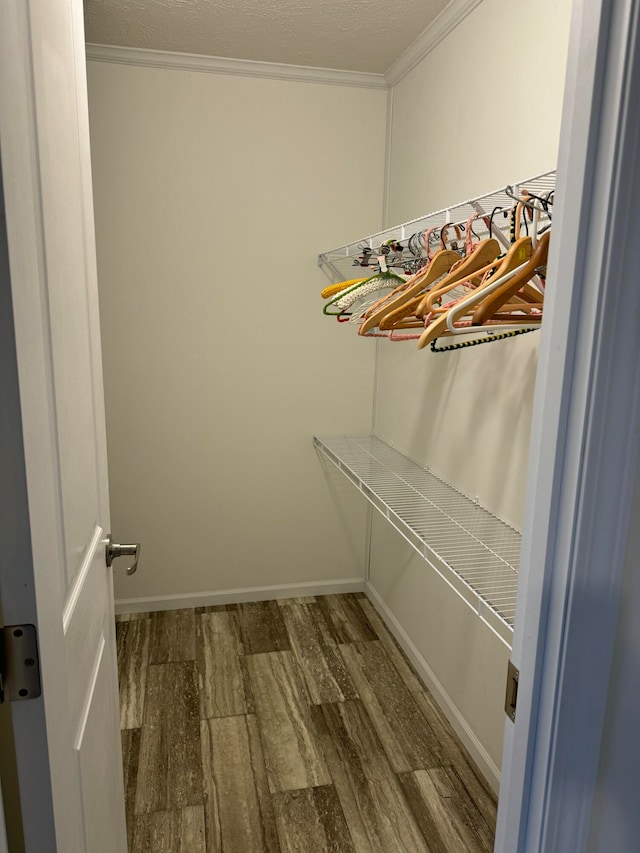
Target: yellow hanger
332, 289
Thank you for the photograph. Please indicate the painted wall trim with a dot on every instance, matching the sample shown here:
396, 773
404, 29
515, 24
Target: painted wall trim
447, 705
447, 20
233, 67
235, 596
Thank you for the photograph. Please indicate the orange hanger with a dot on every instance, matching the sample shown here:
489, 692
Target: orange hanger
490, 307
472, 267
518, 254
441, 262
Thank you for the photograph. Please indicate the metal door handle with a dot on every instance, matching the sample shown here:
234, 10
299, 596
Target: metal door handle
113, 550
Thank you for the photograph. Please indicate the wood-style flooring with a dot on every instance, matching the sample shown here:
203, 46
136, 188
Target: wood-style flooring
282, 726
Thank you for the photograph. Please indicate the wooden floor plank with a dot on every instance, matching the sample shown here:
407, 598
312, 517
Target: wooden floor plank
238, 809
454, 754
322, 667
133, 658
130, 759
450, 747
292, 754
409, 742
177, 831
218, 656
173, 636
396, 656
311, 819
265, 801
170, 768
377, 814
480, 806
262, 628
345, 618
246, 685
442, 813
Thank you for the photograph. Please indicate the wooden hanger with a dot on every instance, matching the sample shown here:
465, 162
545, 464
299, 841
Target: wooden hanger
473, 266
441, 262
529, 294
518, 255
490, 307
405, 315
469, 271
407, 308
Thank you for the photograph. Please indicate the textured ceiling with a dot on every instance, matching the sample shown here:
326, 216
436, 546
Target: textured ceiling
358, 35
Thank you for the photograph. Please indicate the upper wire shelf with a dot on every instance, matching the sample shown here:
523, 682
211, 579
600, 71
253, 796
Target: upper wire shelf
474, 552
539, 185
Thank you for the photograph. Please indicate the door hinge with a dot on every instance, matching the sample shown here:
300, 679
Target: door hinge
19, 663
511, 698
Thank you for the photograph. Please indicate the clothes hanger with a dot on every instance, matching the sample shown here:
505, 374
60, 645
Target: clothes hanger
475, 261
404, 316
489, 249
519, 288
428, 306
492, 304
530, 293
486, 252
512, 272
424, 278
441, 263
487, 339
421, 236
346, 298
332, 289
515, 259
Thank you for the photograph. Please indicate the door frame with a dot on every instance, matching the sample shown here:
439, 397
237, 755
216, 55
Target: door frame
584, 446
4, 848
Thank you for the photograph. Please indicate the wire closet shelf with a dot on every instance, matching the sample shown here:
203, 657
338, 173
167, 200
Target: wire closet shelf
333, 261
473, 551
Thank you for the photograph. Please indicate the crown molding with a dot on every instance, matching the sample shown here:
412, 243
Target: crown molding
234, 67
446, 21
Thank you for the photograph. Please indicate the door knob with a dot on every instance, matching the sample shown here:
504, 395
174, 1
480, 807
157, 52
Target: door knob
113, 550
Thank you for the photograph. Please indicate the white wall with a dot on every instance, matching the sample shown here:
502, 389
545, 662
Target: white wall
480, 111
213, 196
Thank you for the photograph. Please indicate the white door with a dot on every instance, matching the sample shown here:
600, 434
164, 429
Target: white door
53, 490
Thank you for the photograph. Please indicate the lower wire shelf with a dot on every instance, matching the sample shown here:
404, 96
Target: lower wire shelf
474, 552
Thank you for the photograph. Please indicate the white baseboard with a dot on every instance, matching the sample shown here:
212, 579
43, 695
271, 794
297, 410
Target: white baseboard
449, 709
235, 596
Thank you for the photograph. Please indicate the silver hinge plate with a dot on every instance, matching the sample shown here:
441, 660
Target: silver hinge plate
19, 663
511, 698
